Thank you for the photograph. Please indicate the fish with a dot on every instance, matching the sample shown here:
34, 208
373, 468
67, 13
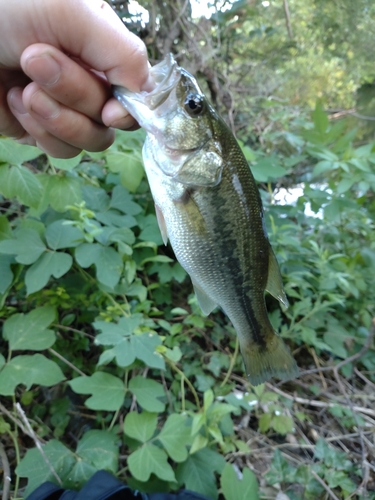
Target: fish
208, 205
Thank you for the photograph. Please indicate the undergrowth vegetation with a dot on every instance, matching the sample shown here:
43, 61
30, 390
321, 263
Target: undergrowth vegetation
107, 362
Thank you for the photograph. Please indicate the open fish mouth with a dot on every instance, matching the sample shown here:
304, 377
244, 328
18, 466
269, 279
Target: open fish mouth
165, 74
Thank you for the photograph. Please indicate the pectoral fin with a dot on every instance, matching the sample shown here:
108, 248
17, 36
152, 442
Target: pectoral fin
162, 224
274, 281
205, 303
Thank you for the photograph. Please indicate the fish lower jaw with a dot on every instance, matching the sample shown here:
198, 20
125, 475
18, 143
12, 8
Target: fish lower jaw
175, 154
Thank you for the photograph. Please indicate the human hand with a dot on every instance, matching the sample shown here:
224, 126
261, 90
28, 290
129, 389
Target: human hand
58, 59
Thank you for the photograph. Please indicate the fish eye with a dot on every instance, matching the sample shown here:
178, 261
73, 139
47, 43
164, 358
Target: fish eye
194, 104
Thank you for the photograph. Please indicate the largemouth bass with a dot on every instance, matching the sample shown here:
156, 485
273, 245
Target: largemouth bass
208, 205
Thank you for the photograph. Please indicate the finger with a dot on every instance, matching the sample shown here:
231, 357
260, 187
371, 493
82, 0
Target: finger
65, 80
115, 115
120, 54
9, 124
58, 130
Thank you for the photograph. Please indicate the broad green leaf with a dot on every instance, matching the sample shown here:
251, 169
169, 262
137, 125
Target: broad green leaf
5, 230
320, 118
54, 264
20, 183
29, 370
99, 449
123, 201
95, 198
6, 274
2, 361
60, 235
198, 443
29, 331
140, 426
15, 154
128, 166
62, 192
27, 246
267, 168
283, 424
234, 488
65, 163
34, 466
197, 472
147, 392
108, 262
149, 459
108, 392
175, 436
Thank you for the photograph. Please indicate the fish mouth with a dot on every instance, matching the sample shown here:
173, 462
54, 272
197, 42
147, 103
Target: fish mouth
166, 75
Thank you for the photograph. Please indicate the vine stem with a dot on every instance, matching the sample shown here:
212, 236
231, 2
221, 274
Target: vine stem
37, 442
6, 475
191, 387
73, 367
232, 362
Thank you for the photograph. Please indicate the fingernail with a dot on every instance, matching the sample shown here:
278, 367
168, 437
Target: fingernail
15, 101
44, 106
43, 69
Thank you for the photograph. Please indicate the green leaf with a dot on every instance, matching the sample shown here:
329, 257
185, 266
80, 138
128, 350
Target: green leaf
15, 154
19, 182
282, 424
234, 488
147, 392
123, 201
29, 331
6, 274
320, 118
108, 262
268, 168
108, 392
37, 470
60, 191
129, 167
5, 230
149, 459
99, 449
60, 235
54, 264
197, 472
140, 426
27, 246
175, 436
29, 370
65, 164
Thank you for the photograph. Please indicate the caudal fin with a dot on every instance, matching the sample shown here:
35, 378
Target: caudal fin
275, 360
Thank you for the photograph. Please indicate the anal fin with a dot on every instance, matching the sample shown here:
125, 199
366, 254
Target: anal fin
162, 224
274, 281
205, 303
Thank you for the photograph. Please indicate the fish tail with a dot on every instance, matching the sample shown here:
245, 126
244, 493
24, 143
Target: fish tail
264, 362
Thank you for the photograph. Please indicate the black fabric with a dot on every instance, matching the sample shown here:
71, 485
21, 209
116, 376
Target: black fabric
104, 486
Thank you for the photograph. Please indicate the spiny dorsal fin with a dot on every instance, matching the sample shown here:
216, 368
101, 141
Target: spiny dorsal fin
274, 281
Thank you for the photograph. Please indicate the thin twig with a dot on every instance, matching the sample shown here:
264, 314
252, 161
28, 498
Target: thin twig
73, 367
6, 475
325, 486
14, 420
350, 359
319, 404
287, 19
37, 442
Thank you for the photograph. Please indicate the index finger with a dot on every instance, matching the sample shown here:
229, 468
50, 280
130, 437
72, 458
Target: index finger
92, 31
